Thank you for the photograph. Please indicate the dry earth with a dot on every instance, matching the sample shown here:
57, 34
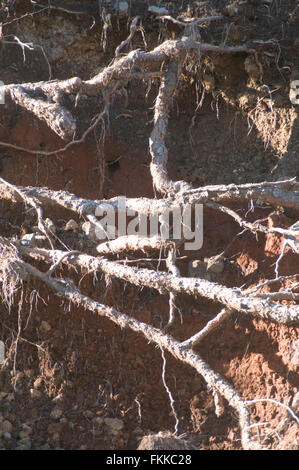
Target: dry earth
73, 380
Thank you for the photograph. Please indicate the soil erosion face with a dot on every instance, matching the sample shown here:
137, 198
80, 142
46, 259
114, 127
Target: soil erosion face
106, 344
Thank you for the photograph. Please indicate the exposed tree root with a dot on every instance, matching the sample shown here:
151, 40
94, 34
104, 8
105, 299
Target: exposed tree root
46, 101
232, 298
133, 243
275, 194
67, 289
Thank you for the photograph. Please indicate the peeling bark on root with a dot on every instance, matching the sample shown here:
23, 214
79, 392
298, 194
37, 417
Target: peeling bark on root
276, 194
45, 100
157, 145
181, 351
232, 298
68, 290
133, 243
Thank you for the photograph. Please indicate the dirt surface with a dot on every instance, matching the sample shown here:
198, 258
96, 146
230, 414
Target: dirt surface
73, 380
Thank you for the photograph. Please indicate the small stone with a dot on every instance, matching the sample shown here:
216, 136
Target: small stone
38, 383
11, 417
28, 239
231, 10
123, 8
19, 375
45, 326
34, 413
58, 398
22, 447
6, 435
209, 82
138, 431
89, 230
50, 226
35, 394
197, 268
56, 413
160, 11
294, 95
88, 414
56, 437
26, 427
25, 433
98, 420
215, 264
69, 384
252, 68
29, 373
71, 225
45, 447
54, 428
6, 426
10, 397
115, 425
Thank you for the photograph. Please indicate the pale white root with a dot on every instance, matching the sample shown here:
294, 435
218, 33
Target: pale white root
165, 282
67, 289
133, 243
45, 100
275, 194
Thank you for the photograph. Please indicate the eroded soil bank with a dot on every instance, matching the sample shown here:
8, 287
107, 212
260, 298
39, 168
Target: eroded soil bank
73, 380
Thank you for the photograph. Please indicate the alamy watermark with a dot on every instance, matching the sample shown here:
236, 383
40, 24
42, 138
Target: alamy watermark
294, 92
173, 223
2, 352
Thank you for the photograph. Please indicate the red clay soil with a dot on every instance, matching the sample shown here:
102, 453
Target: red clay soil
68, 370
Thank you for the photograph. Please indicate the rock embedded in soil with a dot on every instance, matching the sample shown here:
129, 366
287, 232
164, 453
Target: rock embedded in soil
10, 397
28, 239
6, 426
56, 437
165, 441
88, 414
115, 425
24, 444
71, 225
98, 420
50, 226
37, 384
56, 413
159, 11
44, 447
215, 264
58, 398
25, 432
54, 428
123, 8
45, 326
35, 394
197, 268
